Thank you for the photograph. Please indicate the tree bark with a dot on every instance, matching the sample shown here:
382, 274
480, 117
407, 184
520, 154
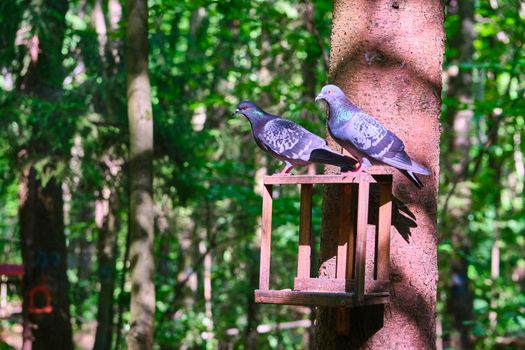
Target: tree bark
142, 306
44, 255
391, 68
107, 225
107, 205
41, 208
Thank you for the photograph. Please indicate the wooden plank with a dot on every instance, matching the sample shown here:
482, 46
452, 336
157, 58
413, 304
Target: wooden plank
305, 232
345, 254
289, 297
336, 285
266, 237
345, 231
383, 234
324, 179
362, 223
351, 232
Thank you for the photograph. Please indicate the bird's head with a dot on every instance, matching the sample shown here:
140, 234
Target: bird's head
248, 109
329, 93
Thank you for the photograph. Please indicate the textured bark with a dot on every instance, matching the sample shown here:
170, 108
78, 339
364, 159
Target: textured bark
44, 255
142, 308
107, 245
107, 205
390, 67
41, 205
121, 298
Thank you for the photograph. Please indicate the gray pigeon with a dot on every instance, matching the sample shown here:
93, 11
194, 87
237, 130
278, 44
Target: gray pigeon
365, 137
290, 142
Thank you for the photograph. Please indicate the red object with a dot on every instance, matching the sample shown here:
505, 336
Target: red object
47, 308
11, 269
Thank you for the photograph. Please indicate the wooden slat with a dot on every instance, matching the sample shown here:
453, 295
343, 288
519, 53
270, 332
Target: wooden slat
336, 285
351, 232
266, 238
342, 321
290, 297
383, 227
324, 179
377, 286
305, 232
345, 234
362, 223
345, 254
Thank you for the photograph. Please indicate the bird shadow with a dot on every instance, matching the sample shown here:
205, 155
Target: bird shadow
403, 219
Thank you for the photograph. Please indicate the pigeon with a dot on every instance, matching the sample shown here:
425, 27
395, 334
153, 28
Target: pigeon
290, 142
365, 137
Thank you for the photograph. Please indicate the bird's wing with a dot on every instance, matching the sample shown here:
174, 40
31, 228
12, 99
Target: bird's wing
370, 136
373, 139
289, 140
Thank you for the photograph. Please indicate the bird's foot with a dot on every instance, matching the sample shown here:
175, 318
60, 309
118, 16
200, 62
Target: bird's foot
286, 170
355, 172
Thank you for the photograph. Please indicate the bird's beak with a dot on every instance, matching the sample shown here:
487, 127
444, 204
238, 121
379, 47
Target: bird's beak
319, 97
235, 112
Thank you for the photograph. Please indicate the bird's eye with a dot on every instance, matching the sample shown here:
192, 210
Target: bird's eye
329, 91
243, 108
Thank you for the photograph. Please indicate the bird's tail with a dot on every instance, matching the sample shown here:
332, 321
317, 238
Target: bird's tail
324, 156
412, 177
418, 168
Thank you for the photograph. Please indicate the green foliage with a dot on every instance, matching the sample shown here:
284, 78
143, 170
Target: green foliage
206, 56
493, 180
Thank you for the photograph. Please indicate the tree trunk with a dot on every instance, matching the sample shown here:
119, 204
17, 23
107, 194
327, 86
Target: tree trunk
458, 120
44, 255
107, 205
142, 307
252, 309
496, 165
391, 68
106, 219
46, 318
121, 297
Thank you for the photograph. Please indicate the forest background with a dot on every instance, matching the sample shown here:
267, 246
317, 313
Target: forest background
66, 119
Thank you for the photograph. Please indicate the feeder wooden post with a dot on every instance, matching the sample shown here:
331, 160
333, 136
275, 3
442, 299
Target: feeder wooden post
346, 238
304, 259
345, 251
266, 238
383, 231
362, 223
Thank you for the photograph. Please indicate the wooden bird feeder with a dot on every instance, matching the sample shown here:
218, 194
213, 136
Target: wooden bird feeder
353, 286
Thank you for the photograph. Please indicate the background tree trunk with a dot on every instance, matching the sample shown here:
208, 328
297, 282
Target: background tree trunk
41, 210
107, 224
142, 307
458, 119
44, 255
391, 68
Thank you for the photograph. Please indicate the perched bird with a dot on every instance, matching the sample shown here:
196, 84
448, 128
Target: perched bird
365, 137
290, 142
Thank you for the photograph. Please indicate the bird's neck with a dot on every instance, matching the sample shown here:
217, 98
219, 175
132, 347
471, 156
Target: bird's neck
342, 111
258, 118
